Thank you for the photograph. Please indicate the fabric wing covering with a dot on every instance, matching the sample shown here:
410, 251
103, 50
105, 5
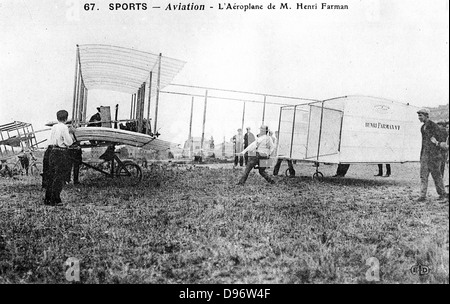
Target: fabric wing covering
123, 69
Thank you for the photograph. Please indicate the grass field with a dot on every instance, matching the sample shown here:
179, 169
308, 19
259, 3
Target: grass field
192, 224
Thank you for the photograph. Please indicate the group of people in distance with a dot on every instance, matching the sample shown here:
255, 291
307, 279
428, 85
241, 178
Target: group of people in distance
434, 156
241, 142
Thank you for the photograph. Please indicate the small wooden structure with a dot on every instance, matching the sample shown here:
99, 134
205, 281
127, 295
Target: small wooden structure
16, 137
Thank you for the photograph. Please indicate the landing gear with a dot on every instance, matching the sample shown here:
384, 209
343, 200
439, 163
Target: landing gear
318, 175
289, 173
129, 173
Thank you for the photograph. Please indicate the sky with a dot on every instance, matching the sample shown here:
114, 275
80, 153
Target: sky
395, 49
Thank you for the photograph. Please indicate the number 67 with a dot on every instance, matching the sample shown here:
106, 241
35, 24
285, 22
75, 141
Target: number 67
89, 6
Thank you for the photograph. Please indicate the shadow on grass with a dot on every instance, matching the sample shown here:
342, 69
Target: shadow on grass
22, 187
341, 181
359, 182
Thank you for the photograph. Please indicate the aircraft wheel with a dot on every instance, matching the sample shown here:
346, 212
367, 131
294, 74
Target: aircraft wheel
17, 169
129, 173
288, 173
318, 176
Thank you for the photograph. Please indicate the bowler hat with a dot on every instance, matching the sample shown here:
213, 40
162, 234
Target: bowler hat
424, 111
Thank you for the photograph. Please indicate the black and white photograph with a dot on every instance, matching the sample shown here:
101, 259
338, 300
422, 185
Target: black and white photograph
224, 148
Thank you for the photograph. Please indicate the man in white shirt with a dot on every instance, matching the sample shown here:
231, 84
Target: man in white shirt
263, 146
60, 140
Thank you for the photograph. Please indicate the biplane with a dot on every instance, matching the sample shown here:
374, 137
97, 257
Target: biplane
138, 73
349, 130
17, 134
17, 143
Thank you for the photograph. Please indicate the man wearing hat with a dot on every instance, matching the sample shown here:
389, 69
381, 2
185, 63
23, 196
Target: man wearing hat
444, 147
431, 156
248, 139
238, 147
95, 120
263, 147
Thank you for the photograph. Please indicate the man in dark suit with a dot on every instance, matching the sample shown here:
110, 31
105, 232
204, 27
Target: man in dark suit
248, 139
431, 156
341, 170
380, 170
95, 120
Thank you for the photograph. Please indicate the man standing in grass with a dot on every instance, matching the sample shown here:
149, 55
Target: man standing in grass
248, 139
444, 149
60, 140
430, 156
75, 159
238, 147
263, 146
